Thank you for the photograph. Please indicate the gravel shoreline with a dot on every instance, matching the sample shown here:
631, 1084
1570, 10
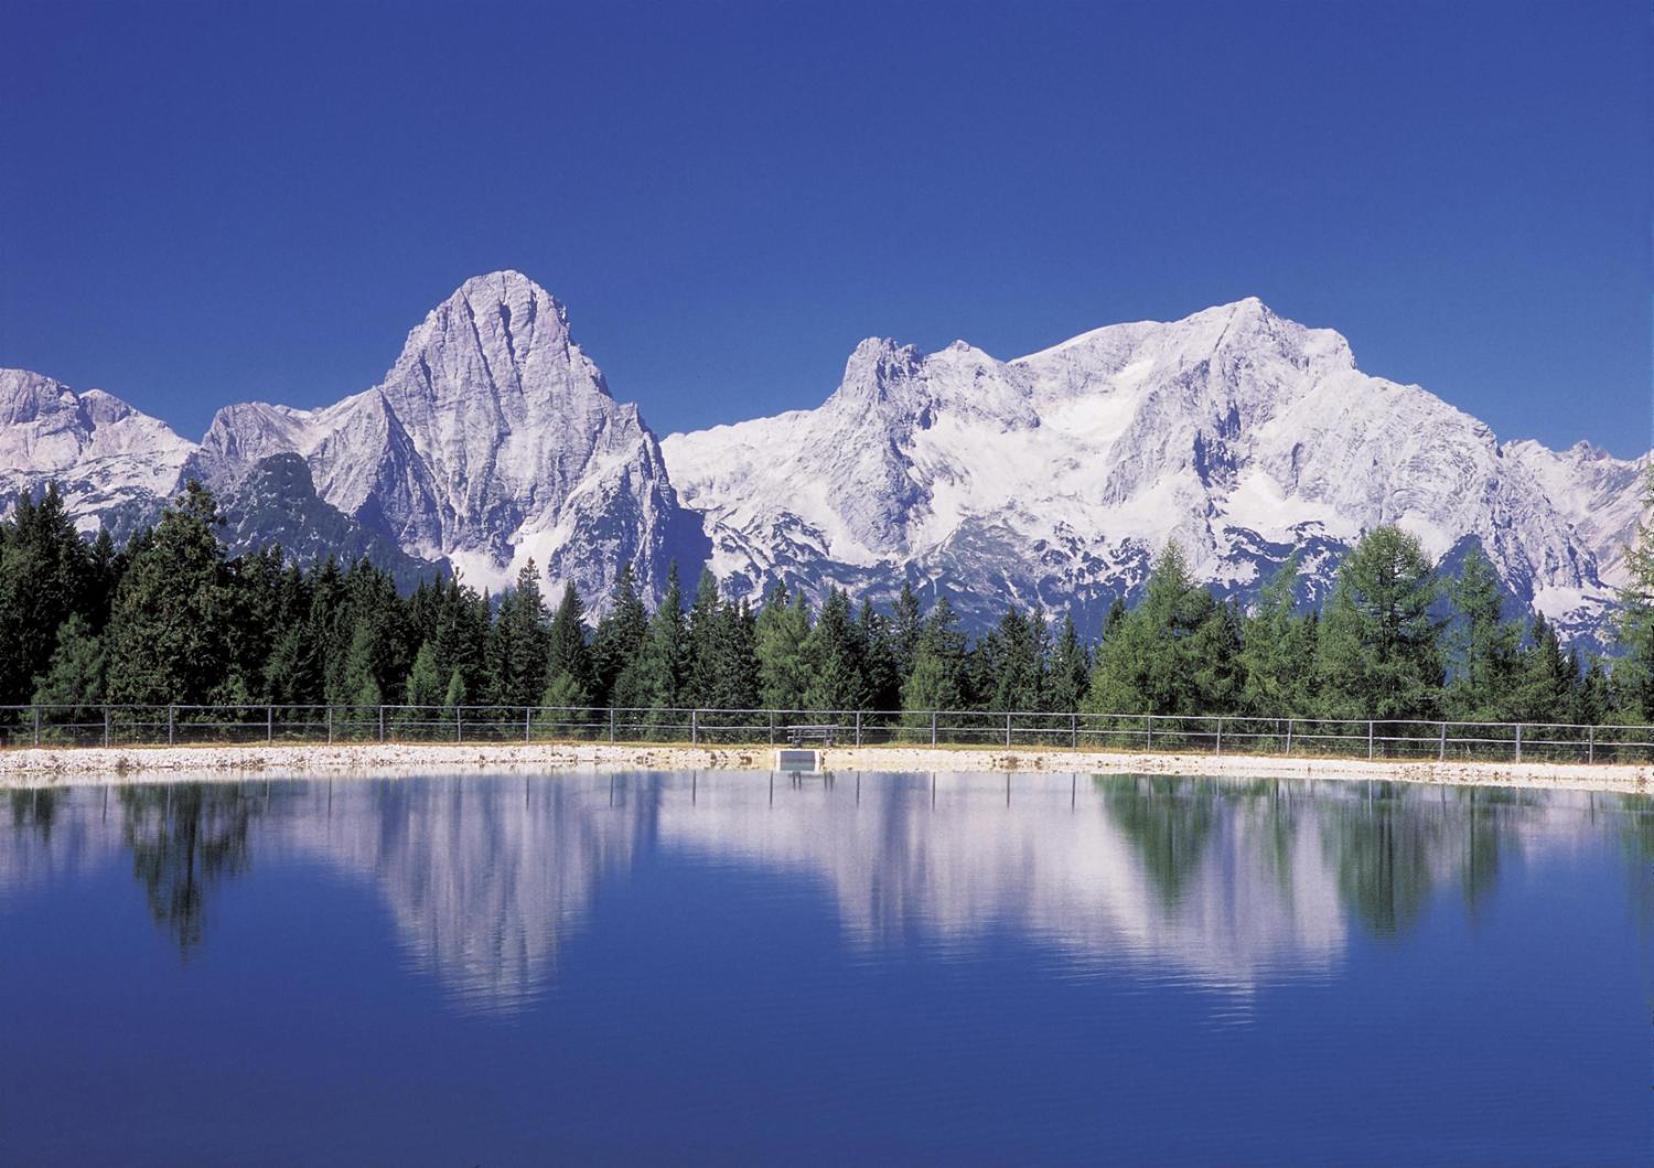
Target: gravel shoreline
46, 766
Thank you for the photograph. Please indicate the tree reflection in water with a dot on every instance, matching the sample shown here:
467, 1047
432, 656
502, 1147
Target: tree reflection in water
184, 839
36, 808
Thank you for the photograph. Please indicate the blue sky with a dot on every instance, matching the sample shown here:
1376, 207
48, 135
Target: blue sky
204, 203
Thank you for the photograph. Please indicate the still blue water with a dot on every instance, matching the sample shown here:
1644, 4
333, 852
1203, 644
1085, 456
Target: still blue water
729, 968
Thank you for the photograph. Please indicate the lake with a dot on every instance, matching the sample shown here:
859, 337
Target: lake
900, 968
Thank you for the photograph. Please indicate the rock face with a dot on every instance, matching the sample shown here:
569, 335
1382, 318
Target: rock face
1050, 480
1053, 479
114, 465
492, 440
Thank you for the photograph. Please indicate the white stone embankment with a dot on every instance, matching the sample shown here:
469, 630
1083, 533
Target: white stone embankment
46, 766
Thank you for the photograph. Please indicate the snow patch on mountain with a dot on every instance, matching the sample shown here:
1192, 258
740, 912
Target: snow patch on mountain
1052, 479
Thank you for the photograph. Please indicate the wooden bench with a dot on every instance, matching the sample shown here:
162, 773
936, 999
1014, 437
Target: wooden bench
799, 735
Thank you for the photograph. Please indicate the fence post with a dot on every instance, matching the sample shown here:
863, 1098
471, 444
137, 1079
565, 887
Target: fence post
459, 733
1219, 748
1518, 742
933, 727
381, 721
1441, 755
330, 724
269, 723
37, 725
858, 727
106, 727
1007, 731
1369, 739
695, 727
170, 712
1074, 731
528, 712
1289, 737
611, 725
1590, 744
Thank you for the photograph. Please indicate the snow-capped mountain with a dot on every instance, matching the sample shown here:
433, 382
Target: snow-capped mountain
492, 440
113, 464
1052, 479
1049, 480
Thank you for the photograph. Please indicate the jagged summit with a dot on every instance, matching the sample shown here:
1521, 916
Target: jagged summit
1049, 480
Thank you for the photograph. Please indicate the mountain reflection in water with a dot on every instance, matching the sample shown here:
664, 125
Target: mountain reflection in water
1222, 883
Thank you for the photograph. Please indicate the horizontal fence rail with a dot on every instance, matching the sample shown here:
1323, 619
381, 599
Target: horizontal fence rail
1442, 741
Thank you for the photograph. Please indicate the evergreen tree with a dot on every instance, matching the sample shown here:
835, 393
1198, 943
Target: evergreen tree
702, 628
74, 678
1277, 655
1070, 670
1143, 665
1633, 677
424, 686
518, 648
832, 656
1018, 683
619, 639
45, 575
1548, 678
1484, 647
654, 679
569, 673
1379, 652
782, 629
936, 681
882, 676
907, 625
167, 630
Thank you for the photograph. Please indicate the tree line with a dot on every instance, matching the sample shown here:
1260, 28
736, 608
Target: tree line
172, 617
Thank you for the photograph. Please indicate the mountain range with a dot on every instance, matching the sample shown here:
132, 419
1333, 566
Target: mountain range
1050, 480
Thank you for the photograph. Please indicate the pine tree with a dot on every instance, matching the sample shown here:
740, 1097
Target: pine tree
1633, 676
832, 655
937, 679
1277, 655
880, 672
167, 630
1017, 683
1143, 666
654, 679
1379, 652
1070, 670
569, 674
702, 628
519, 644
1484, 648
907, 625
782, 629
74, 678
1548, 678
619, 638
45, 575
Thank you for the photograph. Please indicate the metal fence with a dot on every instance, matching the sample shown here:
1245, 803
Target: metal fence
53, 725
